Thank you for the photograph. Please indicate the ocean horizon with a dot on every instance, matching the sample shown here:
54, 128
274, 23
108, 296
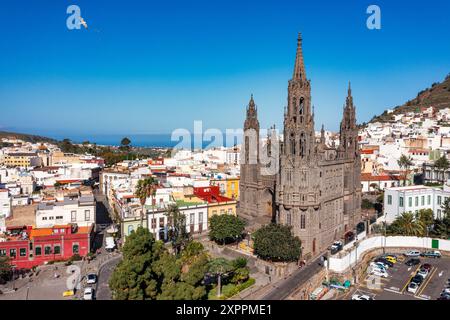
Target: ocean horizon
161, 140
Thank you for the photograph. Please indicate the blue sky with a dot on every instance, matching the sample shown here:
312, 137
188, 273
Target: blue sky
153, 66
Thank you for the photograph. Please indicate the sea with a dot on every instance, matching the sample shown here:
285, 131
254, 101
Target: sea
185, 141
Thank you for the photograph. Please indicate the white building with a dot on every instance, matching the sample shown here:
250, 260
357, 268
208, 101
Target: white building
412, 199
72, 209
5, 207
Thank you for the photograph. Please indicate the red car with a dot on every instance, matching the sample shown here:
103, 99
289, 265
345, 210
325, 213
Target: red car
426, 266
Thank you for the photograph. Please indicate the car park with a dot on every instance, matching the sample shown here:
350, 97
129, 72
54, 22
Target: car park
413, 287
431, 254
417, 279
412, 262
412, 253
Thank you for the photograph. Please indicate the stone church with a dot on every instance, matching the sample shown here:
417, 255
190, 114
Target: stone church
303, 182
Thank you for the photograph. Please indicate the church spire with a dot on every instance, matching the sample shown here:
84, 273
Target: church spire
299, 69
349, 100
251, 120
322, 135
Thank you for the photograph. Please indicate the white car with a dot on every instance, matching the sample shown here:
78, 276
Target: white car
412, 253
423, 273
361, 297
88, 294
91, 278
379, 265
379, 273
413, 287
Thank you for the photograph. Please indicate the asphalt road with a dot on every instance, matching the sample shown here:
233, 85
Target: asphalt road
103, 291
284, 288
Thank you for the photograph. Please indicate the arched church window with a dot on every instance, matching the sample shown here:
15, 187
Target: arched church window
292, 139
302, 145
294, 103
302, 105
247, 146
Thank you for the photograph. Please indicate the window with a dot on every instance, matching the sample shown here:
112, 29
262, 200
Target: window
214, 212
288, 218
75, 248
38, 251
2, 252
130, 229
161, 222
429, 199
389, 199
73, 216
12, 253
302, 221
57, 249
410, 201
200, 217
417, 201
230, 211
439, 200
47, 250
44, 218
59, 217
222, 211
192, 218
401, 201
87, 215
153, 223
439, 214
423, 201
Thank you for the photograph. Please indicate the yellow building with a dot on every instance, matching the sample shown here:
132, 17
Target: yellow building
219, 208
228, 187
22, 159
58, 157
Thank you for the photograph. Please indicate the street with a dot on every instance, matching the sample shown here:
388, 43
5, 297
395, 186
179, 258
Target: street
103, 291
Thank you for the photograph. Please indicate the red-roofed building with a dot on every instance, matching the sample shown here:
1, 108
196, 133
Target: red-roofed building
217, 204
28, 247
381, 181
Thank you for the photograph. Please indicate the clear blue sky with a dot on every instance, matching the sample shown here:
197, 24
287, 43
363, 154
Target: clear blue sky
153, 66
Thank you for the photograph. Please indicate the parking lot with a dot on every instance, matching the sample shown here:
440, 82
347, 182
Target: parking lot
394, 287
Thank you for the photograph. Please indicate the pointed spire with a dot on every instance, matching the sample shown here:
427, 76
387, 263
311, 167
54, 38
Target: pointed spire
299, 68
349, 100
322, 135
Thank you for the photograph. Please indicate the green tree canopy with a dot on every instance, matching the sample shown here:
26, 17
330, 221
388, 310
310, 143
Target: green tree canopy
177, 234
406, 225
125, 142
225, 228
275, 242
5, 269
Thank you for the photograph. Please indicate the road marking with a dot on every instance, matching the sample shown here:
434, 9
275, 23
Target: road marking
409, 280
394, 291
427, 281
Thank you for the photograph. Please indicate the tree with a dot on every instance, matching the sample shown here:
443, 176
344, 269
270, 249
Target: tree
366, 204
425, 218
134, 278
220, 267
406, 225
442, 165
125, 144
225, 228
177, 228
405, 162
144, 189
275, 242
5, 269
241, 273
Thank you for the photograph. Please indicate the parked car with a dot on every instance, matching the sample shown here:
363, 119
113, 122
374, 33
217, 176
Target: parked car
379, 265
91, 278
412, 262
417, 279
431, 254
391, 258
379, 273
88, 294
412, 253
412, 287
446, 291
423, 273
336, 247
384, 261
426, 266
361, 297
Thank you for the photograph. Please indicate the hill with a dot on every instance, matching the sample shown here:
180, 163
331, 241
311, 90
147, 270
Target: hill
438, 96
26, 137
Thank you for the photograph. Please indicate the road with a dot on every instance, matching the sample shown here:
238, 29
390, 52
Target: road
282, 289
103, 291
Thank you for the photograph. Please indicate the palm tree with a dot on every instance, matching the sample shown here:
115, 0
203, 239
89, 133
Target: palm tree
442, 165
405, 162
145, 188
408, 225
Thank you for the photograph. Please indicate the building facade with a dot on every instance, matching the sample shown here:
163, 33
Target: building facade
315, 188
